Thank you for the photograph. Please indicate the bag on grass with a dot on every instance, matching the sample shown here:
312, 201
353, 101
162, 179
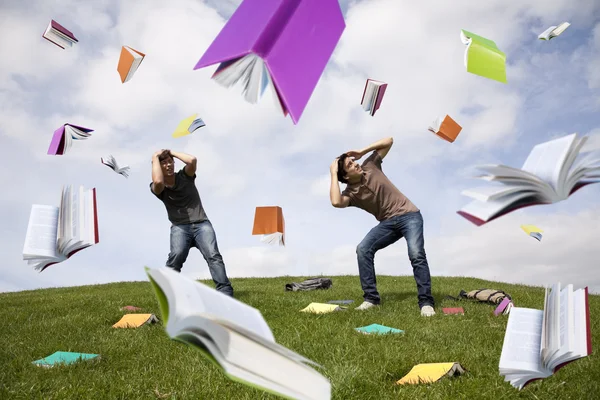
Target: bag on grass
485, 295
309, 284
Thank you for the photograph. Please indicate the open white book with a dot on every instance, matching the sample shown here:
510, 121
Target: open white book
56, 233
273, 238
538, 343
112, 163
235, 336
553, 31
553, 171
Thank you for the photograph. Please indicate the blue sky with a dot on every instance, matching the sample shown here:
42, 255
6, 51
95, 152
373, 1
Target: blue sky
250, 155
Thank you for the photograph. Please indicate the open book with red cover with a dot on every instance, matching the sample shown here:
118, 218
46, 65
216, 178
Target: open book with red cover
537, 343
56, 233
59, 35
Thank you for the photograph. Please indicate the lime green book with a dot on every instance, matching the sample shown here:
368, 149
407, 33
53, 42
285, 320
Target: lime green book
234, 336
483, 57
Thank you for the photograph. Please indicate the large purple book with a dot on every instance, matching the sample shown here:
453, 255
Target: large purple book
295, 39
57, 144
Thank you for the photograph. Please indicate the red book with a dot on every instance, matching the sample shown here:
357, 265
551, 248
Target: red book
457, 310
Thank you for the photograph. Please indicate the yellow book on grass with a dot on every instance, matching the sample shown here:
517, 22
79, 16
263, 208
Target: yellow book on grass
321, 308
428, 373
135, 320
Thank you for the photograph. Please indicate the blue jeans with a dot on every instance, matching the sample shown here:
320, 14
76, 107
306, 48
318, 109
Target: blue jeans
202, 236
410, 226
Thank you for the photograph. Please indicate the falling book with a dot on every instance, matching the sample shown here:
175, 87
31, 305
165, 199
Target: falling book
64, 358
188, 125
129, 61
112, 164
533, 231
429, 373
56, 233
130, 308
504, 307
553, 171
537, 343
283, 44
483, 57
377, 330
269, 222
135, 320
373, 95
234, 336
322, 308
553, 31
456, 310
63, 137
59, 35
446, 128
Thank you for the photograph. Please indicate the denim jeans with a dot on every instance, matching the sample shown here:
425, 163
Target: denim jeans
410, 226
202, 236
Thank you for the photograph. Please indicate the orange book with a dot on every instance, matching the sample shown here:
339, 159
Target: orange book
129, 61
269, 222
446, 128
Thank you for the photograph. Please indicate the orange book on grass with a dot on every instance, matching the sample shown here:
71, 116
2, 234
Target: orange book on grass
446, 128
269, 222
129, 61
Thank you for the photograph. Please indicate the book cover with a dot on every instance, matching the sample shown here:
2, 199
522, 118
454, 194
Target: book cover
268, 221
321, 308
380, 94
63, 30
455, 310
63, 357
483, 57
135, 320
377, 329
502, 306
429, 373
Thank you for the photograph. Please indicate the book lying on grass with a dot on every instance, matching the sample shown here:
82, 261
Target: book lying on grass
553, 171
129, 61
537, 343
59, 35
188, 125
455, 310
373, 95
446, 128
283, 44
269, 222
504, 307
63, 137
429, 373
377, 330
322, 308
533, 231
483, 57
112, 164
130, 308
64, 358
135, 320
56, 233
234, 336
553, 31
342, 302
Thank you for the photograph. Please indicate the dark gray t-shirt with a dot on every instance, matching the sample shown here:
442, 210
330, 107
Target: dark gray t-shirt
182, 201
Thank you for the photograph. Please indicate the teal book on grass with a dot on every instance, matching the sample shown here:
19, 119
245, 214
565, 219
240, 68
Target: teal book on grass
377, 329
63, 357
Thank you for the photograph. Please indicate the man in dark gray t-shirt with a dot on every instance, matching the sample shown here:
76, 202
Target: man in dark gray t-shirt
190, 225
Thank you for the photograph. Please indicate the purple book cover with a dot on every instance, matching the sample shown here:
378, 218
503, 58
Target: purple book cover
57, 143
63, 30
502, 306
382, 89
295, 38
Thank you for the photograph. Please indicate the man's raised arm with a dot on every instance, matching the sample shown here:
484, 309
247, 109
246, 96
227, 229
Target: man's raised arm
158, 183
188, 160
335, 193
382, 146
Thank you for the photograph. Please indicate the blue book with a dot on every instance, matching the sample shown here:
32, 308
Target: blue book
63, 357
377, 329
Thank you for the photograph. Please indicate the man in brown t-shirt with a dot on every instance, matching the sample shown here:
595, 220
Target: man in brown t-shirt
369, 189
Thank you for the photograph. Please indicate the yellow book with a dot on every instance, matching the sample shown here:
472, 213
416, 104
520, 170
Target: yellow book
533, 231
321, 308
428, 373
188, 126
135, 320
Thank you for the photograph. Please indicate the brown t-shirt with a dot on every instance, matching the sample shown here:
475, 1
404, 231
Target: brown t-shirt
376, 194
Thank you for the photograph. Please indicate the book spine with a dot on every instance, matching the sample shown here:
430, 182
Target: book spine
275, 26
96, 233
52, 42
587, 322
364, 92
380, 96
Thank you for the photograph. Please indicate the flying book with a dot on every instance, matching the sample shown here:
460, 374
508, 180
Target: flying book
553, 31
538, 343
504, 307
373, 95
129, 61
130, 308
322, 308
342, 302
234, 336
112, 163
456, 310
56, 233
63, 137
553, 171
269, 222
135, 320
429, 373
59, 35
533, 231
64, 358
446, 128
188, 125
283, 44
483, 57
377, 329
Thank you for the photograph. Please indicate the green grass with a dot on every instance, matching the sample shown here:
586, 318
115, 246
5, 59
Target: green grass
145, 364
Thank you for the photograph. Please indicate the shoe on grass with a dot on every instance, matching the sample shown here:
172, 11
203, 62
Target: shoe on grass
365, 306
427, 311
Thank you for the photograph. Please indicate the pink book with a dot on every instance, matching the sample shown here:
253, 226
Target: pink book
457, 310
379, 97
294, 38
502, 306
63, 30
130, 308
57, 144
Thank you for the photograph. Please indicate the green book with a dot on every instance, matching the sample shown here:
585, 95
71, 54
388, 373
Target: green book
377, 329
483, 57
63, 357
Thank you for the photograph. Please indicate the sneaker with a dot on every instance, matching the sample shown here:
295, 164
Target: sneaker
427, 311
365, 306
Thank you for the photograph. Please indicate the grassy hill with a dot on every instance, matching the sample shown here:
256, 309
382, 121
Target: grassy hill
145, 364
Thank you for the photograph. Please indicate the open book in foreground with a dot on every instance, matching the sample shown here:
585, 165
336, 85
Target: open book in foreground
553, 171
234, 336
56, 233
538, 343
